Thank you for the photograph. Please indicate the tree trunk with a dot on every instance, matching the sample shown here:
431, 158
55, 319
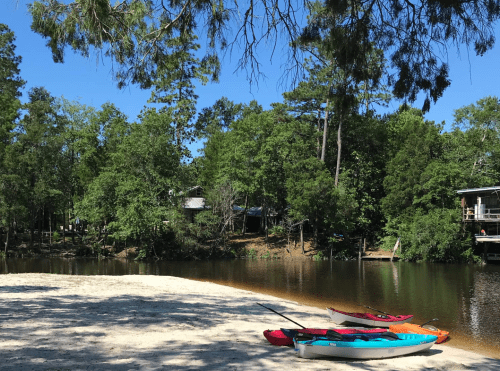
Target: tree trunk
367, 102
475, 162
339, 151
261, 228
32, 227
245, 213
72, 227
302, 237
325, 133
40, 234
265, 223
318, 148
14, 229
315, 230
231, 217
6, 247
72, 192
64, 228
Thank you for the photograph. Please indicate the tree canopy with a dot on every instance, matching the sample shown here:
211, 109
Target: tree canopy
139, 34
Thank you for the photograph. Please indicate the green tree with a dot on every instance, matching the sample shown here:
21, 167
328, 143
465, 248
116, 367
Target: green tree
230, 156
39, 141
173, 83
81, 143
364, 161
215, 223
420, 205
339, 87
416, 144
131, 194
480, 123
217, 118
10, 91
10, 86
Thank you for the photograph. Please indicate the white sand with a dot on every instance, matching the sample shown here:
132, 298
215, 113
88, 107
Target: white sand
60, 322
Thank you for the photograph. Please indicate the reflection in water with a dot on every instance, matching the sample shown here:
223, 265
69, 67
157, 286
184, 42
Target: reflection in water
484, 309
465, 298
395, 276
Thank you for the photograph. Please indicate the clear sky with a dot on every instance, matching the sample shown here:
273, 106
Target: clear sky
90, 80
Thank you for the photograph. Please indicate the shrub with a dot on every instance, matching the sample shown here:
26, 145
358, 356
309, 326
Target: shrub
252, 254
142, 254
319, 256
277, 230
56, 236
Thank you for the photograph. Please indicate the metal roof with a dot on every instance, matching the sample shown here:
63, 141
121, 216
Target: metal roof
194, 203
476, 190
254, 211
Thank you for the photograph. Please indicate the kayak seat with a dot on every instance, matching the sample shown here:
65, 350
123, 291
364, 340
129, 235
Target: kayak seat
330, 335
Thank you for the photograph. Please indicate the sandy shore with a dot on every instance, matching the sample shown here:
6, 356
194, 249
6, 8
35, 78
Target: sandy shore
56, 322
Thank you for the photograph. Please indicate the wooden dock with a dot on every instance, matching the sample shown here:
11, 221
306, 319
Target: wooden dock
363, 255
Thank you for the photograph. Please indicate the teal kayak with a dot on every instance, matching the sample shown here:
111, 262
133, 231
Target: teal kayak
364, 347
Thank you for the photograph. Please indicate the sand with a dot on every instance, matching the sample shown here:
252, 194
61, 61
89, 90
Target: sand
61, 322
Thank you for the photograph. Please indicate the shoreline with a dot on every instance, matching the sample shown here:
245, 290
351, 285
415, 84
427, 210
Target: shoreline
50, 321
456, 340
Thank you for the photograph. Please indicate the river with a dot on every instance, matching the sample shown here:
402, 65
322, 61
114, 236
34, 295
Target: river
465, 298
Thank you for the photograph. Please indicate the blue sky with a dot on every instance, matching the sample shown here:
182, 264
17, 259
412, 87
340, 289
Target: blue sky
89, 80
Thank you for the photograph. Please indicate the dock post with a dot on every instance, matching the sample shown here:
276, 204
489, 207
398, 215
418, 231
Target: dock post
395, 248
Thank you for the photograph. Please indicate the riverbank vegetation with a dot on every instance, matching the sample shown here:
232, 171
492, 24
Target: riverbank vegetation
321, 161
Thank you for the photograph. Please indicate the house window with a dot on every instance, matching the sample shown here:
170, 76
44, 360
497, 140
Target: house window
198, 192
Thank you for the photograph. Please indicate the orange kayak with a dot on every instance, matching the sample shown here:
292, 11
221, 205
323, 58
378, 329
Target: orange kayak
408, 328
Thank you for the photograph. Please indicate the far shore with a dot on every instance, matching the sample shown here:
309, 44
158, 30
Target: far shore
250, 245
61, 322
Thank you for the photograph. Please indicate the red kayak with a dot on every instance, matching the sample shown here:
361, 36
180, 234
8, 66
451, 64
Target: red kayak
277, 337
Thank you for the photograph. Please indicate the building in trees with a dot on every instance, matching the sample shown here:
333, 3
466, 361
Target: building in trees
481, 209
193, 202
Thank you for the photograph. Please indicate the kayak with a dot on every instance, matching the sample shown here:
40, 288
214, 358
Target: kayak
284, 337
364, 346
410, 328
367, 319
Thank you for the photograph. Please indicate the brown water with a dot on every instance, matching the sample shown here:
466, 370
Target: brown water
465, 298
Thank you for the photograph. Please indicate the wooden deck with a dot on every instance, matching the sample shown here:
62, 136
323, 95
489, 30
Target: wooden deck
481, 238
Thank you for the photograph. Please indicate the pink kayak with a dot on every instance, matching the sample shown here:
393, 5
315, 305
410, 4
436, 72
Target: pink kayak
368, 319
277, 337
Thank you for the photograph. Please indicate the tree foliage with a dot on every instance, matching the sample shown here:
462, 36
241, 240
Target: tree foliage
10, 85
414, 35
10, 91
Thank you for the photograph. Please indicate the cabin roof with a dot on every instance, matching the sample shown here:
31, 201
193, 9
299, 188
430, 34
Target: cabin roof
479, 190
254, 211
194, 203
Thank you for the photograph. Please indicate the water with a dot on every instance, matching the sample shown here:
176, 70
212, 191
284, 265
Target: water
465, 298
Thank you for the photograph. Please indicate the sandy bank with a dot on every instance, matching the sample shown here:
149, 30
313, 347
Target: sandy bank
55, 322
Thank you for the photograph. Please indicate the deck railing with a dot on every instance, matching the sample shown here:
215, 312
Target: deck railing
492, 214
